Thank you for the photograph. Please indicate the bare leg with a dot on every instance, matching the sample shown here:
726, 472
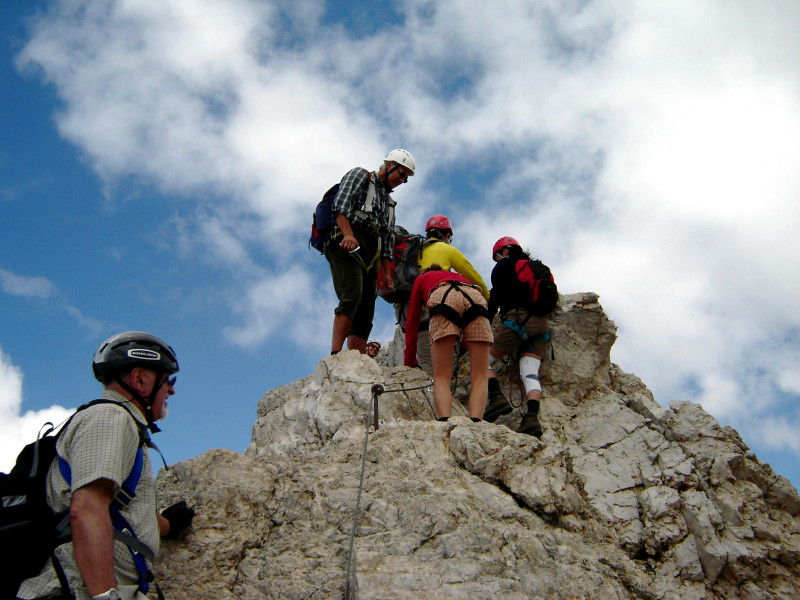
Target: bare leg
357, 343
478, 373
495, 352
442, 359
497, 404
341, 325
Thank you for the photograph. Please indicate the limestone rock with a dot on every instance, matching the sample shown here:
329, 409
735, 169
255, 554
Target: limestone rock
621, 498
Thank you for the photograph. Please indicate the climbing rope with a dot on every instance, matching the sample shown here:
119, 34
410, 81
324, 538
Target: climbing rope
514, 378
459, 365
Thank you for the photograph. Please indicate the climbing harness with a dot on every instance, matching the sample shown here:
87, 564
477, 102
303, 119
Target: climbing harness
525, 345
526, 339
449, 313
461, 321
355, 253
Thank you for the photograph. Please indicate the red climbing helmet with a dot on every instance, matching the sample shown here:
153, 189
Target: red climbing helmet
439, 222
504, 241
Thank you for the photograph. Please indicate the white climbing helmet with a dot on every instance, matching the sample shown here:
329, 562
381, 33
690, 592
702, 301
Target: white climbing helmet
402, 157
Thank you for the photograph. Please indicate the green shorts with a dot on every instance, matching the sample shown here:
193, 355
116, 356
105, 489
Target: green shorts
355, 288
508, 339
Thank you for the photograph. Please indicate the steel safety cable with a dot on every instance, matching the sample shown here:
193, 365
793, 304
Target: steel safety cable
377, 390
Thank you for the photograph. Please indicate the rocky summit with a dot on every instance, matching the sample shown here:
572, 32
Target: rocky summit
621, 498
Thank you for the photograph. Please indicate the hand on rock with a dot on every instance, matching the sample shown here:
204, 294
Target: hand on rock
179, 516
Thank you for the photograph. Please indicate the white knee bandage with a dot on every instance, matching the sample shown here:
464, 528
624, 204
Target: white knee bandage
529, 373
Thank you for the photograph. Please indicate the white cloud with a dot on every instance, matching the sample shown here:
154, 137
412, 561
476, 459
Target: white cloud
290, 301
788, 372
17, 429
196, 98
20, 285
10, 388
43, 288
779, 434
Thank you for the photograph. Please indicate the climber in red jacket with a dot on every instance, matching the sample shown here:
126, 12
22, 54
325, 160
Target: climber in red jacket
457, 309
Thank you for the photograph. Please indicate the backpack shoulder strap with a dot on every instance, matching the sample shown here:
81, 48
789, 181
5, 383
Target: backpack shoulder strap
127, 490
370, 194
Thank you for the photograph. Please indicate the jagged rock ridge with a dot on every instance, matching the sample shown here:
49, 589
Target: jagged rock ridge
620, 499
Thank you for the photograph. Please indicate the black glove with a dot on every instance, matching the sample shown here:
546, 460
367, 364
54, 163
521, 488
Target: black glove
179, 516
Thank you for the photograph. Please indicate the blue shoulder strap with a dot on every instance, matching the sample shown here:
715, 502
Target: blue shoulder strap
127, 491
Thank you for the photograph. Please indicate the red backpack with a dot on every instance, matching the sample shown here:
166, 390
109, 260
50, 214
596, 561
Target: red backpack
539, 281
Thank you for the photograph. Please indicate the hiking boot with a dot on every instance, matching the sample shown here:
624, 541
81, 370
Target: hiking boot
530, 425
496, 407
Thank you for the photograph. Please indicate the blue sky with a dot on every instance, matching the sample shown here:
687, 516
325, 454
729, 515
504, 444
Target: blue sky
160, 160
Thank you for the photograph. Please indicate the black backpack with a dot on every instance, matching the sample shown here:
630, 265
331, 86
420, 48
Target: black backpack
29, 530
404, 265
323, 220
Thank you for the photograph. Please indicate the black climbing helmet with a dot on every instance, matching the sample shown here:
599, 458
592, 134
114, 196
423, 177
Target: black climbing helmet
122, 352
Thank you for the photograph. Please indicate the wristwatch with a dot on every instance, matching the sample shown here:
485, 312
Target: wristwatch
111, 594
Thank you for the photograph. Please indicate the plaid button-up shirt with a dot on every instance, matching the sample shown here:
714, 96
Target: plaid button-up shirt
350, 203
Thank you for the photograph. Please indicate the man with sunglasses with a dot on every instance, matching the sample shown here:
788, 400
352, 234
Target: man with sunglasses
362, 244
103, 478
373, 347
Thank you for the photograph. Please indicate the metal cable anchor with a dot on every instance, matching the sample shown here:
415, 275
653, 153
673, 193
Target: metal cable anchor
377, 390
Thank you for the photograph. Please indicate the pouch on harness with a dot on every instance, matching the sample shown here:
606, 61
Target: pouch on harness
323, 221
451, 314
29, 529
538, 279
404, 266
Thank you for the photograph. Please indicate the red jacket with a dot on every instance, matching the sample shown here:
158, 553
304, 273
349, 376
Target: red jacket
424, 284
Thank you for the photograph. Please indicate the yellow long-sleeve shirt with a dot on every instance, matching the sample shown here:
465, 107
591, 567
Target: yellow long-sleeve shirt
449, 257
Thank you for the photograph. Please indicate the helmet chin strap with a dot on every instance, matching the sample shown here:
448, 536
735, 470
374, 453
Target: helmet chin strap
389, 171
147, 403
